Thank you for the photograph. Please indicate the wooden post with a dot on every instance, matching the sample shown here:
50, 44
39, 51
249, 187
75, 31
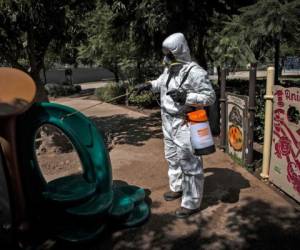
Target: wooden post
223, 144
251, 116
268, 123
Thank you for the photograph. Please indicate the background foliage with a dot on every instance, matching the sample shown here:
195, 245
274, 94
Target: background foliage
125, 36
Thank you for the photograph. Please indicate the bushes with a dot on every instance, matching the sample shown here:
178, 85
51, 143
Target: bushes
146, 100
55, 89
110, 91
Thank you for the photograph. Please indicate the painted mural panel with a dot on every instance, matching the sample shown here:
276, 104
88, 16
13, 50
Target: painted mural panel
285, 155
236, 125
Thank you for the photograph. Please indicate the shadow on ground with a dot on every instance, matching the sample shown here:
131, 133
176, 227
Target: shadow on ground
122, 129
222, 185
226, 222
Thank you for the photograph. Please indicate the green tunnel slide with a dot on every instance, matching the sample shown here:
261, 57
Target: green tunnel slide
76, 208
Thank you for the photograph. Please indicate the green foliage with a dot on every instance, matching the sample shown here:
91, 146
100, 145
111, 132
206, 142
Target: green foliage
55, 89
111, 91
277, 20
29, 27
146, 100
249, 36
290, 48
106, 48
100, 47
134, 30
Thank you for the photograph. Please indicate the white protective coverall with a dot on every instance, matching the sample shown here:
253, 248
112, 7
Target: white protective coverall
185, 169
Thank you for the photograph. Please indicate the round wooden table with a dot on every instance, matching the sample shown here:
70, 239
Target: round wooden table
17, 92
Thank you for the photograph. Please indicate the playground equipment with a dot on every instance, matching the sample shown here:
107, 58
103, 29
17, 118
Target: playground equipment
237, 121
281, 148
74, 208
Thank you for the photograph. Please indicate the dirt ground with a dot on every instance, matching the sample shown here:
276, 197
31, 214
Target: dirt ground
238, 210
55, 153
54, 166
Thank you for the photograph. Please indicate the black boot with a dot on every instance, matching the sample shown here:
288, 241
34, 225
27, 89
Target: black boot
183, 212
170, 195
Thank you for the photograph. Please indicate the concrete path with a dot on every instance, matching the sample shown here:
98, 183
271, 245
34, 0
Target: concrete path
238, 211
94, 85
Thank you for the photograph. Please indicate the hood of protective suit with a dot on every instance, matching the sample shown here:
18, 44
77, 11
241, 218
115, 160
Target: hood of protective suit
177, 45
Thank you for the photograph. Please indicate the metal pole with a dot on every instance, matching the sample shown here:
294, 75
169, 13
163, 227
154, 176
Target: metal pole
250, 136
268, 123
223, 144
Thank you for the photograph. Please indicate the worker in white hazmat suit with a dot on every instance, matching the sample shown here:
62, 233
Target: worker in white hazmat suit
184, 86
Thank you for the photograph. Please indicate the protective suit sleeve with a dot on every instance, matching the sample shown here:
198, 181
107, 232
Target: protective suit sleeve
200, 91
156, 84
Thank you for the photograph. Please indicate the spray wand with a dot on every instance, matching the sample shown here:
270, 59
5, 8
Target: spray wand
109, 101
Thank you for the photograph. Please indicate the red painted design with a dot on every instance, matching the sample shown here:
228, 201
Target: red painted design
278, 150
293, 174
286, 143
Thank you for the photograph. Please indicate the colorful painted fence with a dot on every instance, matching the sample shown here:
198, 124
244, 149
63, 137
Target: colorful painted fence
237, 110
285, 155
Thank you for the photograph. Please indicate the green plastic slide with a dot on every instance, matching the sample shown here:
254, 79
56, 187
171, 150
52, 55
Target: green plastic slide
77, 207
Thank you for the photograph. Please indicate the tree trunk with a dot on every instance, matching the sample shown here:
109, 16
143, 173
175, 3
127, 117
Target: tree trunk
116, 72
41, 95
139, 75
200, 56
44, 74
276, 57
36, 54
219, 75
117, 79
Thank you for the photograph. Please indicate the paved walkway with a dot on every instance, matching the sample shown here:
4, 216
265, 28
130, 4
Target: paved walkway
238, 211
